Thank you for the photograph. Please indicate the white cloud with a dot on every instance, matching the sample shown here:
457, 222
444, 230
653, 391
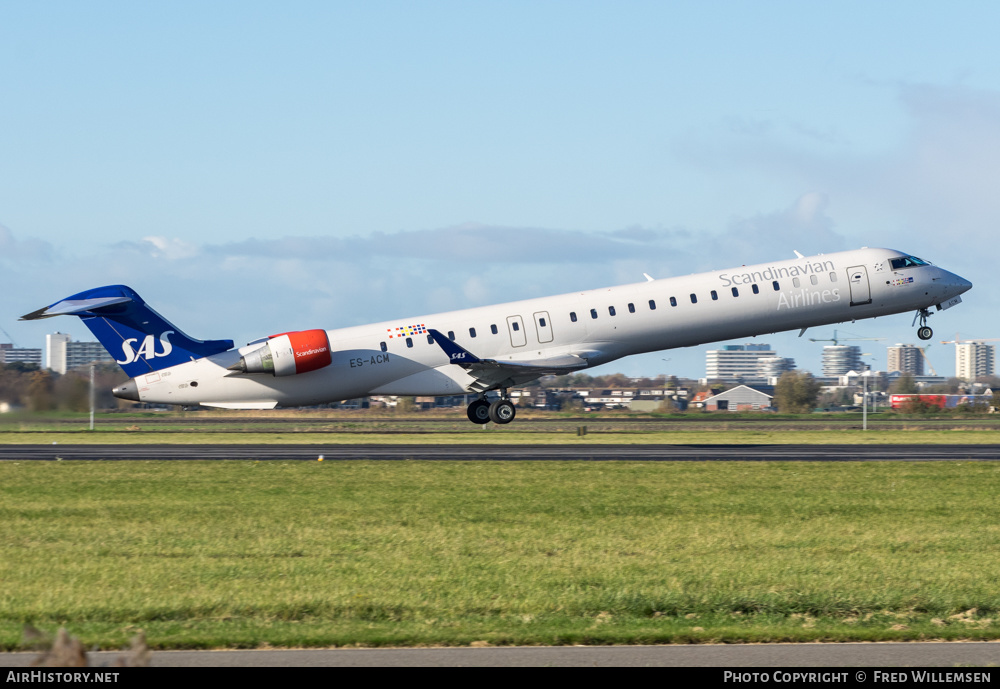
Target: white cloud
171, 248
12, 249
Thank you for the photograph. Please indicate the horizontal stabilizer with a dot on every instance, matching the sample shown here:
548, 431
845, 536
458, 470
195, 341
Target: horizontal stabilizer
75, 307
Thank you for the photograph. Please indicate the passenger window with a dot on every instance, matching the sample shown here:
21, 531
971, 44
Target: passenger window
611, 310
593, 313
472, 332
382, 346
813, 280
775, 285
833, 277
493, 329
796, 283
409, 342
755, 288
652, 305
572, 316
736, 292
673, 301
715, 295
631, 308
541, 322
451, 335
516, 326
430, 339
694, 298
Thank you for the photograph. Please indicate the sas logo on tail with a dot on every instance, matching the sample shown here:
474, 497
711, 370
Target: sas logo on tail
458, 355
147, 350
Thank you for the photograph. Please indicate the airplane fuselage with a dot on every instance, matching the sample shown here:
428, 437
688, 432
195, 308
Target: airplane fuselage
399, 357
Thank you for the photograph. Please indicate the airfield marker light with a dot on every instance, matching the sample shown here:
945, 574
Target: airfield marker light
320, 459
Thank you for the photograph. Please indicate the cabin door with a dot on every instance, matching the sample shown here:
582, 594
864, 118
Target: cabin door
543, 326
516, 328
861, 292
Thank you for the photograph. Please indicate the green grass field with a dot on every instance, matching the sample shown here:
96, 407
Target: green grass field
248, 554
318, 427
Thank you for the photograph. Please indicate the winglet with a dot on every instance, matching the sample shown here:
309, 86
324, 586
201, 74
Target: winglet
456, 353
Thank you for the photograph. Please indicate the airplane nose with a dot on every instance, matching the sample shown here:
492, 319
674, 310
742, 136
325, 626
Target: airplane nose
127, 391
960, 284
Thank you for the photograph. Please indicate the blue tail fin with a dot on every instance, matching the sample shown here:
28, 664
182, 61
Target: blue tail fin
137, 337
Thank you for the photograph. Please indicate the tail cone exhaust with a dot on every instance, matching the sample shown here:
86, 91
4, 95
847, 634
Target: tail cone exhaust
127, 391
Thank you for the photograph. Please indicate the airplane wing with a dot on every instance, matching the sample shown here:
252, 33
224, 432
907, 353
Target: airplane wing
491, 374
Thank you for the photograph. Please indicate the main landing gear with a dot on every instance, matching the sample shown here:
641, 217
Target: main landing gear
923, 332
501, 411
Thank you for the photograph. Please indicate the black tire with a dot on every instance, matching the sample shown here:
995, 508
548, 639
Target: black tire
479, 412
502, 411
925, 333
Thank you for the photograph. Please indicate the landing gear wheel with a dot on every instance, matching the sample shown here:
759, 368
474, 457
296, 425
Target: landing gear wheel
479, 412
502, 411
925, 333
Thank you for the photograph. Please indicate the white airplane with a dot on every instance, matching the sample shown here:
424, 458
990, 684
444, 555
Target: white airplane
493, 348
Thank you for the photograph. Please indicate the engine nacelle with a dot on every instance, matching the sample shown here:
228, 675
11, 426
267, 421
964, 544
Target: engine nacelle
288, 354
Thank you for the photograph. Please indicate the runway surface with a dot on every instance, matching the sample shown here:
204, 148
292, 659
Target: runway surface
967, 655
653, 453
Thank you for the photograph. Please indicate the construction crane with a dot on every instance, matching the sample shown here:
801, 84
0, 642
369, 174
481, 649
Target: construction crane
926, 360
8, 336
836, 339
958, 340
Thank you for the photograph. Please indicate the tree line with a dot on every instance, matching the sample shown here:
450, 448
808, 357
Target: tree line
35, 389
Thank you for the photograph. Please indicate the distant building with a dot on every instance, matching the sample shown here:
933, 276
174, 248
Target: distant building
906, 358
62, 354
841, 359
9, 354
744, 362
771, 367
974, 359
740, 398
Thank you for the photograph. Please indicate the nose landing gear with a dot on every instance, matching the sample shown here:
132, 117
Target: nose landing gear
923, 332
501, 411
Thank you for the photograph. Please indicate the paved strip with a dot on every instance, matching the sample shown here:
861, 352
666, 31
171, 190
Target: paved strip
674, 453
922, 654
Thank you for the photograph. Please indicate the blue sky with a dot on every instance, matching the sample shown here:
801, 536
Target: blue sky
258, 167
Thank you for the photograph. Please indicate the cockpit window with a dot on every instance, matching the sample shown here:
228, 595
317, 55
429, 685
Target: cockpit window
907, 262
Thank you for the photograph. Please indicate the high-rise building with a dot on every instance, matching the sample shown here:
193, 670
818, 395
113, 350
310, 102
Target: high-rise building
974, 359
742, 362
62, 354
906, 358
841, 359
774, 366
